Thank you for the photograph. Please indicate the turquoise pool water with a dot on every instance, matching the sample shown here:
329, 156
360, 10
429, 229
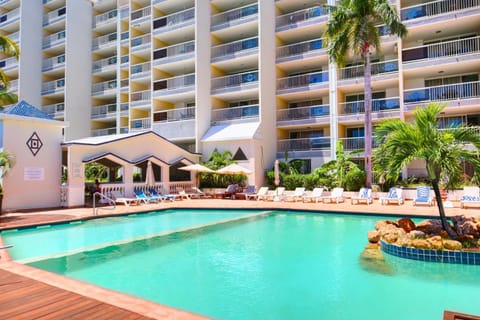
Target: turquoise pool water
277, 266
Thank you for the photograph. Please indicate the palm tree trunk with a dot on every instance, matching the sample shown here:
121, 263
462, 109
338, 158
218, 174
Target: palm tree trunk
441, 210
368, 119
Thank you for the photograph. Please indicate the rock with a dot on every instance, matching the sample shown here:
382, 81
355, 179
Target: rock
372, 260
436, 242
416, 234
466, 225
373, 236
404, 241
372, 246
406, 224
421, 244
430, 226
391, 237
382, 224
444, 234
452, 245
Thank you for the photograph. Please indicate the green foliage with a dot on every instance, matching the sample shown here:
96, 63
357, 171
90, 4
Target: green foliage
216, 161
6, 163
10, 48
95, 171
292, 181
354, 180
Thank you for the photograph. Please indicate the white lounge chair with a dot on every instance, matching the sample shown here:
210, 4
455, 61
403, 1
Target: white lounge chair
471, 196
276, 195
260, 195
315, 194
297, 195
118, 197
336, 195
423, 196
364, 195
394, 196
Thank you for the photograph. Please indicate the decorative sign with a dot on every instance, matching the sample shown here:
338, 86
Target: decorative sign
77, 170
34, 143
33, 174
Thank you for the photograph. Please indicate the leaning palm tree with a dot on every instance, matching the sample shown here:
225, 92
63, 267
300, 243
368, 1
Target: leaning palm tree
444, 151
353, 28
9, 48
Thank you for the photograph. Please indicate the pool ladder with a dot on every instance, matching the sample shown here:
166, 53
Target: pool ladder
102, 196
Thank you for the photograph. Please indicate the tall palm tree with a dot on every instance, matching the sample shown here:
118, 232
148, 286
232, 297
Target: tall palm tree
353, 28
9, 48
443, 150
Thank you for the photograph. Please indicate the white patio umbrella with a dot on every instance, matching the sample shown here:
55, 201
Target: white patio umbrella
234, 169
276, 173
149, 176
197, 168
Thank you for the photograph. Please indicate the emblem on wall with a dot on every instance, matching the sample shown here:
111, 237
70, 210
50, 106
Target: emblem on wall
34, 143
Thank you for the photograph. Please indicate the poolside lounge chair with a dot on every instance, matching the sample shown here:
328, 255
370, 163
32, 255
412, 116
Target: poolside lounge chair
260, 195
118, 197
183, 195
297, 195
394, 196
336, 195
423, 196
364, 195
243, 195
196, 193
315, 194
167, 196
471, 196
276, 195
146, 199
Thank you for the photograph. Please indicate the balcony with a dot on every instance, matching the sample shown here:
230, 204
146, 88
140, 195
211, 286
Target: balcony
143, 14
51, 87
304, 115
55, 110
105, 18
103, 87
104, 132
300, 18
52, 63
444, 93
303, 82
54, 16
303, 144
377, 68
174, 115
235, 49
54, 40
174, 21
140, 124
10, 18
104, 112
174, 53
124, 107
435, 8
235, 113
140, 43
246, 80
104, 41
299, 50
104, 64
440, 51
9, 64
234, 17
174, 85
378, 105
140, 70
140, 98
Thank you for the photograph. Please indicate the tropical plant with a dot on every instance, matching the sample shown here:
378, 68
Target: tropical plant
353, 28
443, 150
6, 163
95, 171
9, 48
216, 161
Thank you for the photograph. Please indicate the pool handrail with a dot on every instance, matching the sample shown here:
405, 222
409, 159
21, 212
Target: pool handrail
95, 209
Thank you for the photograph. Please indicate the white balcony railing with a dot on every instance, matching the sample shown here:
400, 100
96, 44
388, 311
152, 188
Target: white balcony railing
54, 40
174, 21
54, 110
378, 105
140, 97
457, 91
303, 80
299, 49
140, 68
54, 16
303, 144
105, 18
53, 63
10, 18
434, 51
235, 113
174, 53
233, 48
236, 80
53, 86
140, 124
172, 115
103, 64
247, 12
104, 111
101, 87
140, 41
303, 113
185, 82
434, 8
377, 68
139, 14
104, 41
104, 132
300, 16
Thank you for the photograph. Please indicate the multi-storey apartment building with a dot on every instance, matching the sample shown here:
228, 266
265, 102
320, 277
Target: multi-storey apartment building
252, 77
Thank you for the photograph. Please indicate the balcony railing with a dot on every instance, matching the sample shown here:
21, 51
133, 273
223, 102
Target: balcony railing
236, 80
303, 113
378, 105
105, 111
303, 144
54, 39
172, 115
303, 80
298, 49
174, 21
124, 107
54, 110
235, 113
106, 17
10, 18
140, 124
53, 86
54, 16
465, 90
99, 65
8, 63
104, 41
101, 87
140, 97
104, 132
142, 40
175, 52
140, 68
185, 82
238, 15
300, 16
452, 48
436, 7
52, 63
232, 48
142, 13
377, 68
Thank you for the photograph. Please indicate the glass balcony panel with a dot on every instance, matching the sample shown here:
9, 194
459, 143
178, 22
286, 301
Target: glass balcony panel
303, 80
465, 90
174, 115
443, 49
234, 113
436, 8
237, 14
300, 16
303, 144
301, 113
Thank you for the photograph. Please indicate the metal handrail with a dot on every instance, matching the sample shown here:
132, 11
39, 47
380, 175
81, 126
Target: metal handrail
95, 211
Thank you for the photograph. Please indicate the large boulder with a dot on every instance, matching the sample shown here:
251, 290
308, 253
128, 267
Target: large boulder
452, 245
421, 244
436, 242
466, 226
406, 224
373, 236
416, 234
430, 226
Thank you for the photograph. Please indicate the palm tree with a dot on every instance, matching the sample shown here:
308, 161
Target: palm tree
443, 150
353, 27
9, 48
6, 163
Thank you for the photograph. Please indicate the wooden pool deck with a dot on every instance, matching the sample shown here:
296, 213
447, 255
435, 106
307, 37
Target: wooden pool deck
29, 293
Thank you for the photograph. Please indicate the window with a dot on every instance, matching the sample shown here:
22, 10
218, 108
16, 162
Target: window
61, 59
60, 83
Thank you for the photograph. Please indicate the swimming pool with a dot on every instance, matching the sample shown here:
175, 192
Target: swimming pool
282, 265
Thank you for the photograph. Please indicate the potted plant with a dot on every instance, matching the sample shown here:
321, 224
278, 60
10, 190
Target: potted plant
6, 163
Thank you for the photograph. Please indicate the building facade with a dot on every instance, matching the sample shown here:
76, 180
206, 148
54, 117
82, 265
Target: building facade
251, 77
